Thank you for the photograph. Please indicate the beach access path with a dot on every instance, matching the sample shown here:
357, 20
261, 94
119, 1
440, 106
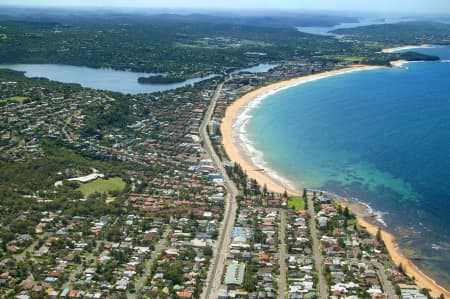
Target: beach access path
220, 248
317, 255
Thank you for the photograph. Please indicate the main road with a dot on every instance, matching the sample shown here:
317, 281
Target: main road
387, 285
220, 247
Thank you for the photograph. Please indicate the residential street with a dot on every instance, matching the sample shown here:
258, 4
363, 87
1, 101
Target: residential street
317, 256
162, 244
282, 256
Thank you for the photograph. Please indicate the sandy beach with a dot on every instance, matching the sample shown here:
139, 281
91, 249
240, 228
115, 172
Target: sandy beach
398, 63
390, 50
236, 154
422, 280
234, 150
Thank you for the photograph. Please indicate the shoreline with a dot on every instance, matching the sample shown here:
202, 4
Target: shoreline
234, 152
399, 63
407, 47
363, 217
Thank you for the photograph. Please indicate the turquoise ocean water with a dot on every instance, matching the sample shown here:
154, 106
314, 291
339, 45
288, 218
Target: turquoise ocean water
382, 136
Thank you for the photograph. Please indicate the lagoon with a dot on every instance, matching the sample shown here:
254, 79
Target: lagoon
104, 79
112, 80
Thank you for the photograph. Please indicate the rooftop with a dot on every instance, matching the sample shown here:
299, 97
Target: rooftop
235, 274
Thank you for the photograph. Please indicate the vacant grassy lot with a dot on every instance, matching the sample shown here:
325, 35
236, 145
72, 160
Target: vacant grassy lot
296, 202
102, 186
14, 99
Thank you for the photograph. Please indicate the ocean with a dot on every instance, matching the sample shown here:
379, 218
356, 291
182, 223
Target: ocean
381, 136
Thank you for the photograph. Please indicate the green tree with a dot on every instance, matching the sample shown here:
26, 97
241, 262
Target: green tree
378, 236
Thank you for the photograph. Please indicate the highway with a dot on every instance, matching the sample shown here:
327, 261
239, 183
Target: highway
220, 247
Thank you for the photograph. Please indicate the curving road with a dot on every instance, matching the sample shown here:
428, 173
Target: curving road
220, 247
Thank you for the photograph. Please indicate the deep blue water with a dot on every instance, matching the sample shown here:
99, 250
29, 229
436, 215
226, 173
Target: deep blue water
382, 136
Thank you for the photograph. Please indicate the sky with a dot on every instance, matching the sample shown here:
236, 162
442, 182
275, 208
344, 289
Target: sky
415, 6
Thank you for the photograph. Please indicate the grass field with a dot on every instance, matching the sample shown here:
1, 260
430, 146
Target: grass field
102, 186
296, 202
345, 58
14, 99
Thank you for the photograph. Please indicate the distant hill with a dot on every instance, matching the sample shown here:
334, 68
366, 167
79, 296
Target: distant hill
265, 19
405, 33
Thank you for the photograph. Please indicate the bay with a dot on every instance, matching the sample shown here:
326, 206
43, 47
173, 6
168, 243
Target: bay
382, 136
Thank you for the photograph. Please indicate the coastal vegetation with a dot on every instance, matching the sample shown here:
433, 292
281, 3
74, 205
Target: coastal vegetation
414, 56
184, 46
187, 46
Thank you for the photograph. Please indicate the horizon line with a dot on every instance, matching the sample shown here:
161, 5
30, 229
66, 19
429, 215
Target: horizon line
285, 10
